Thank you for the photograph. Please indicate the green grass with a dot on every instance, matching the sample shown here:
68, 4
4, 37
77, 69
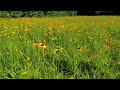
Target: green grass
86, 47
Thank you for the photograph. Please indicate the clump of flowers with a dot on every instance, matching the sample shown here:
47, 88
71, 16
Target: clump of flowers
39, 44
87, 60
58, 49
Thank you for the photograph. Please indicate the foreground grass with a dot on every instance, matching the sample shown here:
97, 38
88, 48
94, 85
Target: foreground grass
86, 47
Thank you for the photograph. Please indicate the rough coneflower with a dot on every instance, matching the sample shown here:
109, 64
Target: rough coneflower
53, 38
79, 49
23, 72
42, 46
58, 49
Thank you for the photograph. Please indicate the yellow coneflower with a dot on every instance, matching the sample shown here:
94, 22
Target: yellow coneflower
23, 72
42, 46
79, 49
62, 27
26, 29
61, 49
49, 28
21, 53
58, 49
87, 60
26, 58
105, 46
118, 62
105, 38
20, 36
36, 44
27, 41
53, 38
39, 44
15, 27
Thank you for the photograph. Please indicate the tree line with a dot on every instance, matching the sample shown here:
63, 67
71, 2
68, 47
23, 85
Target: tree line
15, 14
98, 13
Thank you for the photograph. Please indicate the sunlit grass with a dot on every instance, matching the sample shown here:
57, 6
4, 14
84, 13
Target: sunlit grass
72, 47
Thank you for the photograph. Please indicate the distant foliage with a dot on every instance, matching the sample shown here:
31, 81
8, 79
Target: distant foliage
33, 14
15, 14
9, 14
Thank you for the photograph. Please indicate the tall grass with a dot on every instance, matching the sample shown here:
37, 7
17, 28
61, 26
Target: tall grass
72, 47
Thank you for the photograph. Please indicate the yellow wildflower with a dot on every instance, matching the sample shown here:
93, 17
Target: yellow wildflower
39, 44
20, 36
53, 38
79, 49
26, 29
87, 60
26, 58
15, 27
23, 72
27, 41
36, 44
49, 28
59, 49
105, 46
118, 62
42, 46
105, 38
21, 53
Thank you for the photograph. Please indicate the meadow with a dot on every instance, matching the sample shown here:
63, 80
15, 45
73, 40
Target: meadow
70, 47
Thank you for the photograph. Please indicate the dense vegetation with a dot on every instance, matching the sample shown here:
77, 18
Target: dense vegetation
9, 14
60, 47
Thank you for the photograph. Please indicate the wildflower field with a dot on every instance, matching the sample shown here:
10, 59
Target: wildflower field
71, 47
